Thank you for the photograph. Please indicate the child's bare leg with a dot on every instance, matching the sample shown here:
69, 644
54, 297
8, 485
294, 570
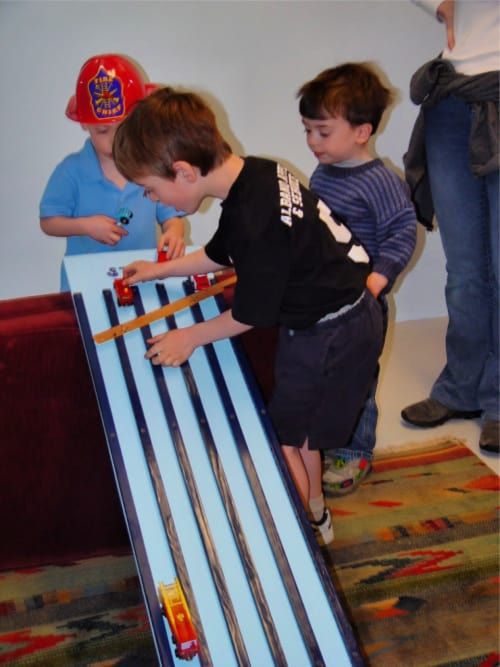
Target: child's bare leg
298, 471
312, 464
304, 465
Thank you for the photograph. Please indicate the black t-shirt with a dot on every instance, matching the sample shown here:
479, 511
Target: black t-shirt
294, 263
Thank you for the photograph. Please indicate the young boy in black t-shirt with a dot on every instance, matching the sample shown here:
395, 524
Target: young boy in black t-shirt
295, 266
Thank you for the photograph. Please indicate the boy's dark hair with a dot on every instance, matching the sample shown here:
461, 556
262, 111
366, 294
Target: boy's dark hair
164, 127
351, 90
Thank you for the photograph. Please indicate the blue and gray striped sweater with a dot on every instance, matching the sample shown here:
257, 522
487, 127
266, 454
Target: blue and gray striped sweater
375, 204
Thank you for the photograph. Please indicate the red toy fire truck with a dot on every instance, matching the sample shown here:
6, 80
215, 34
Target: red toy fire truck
177, 613
124, 293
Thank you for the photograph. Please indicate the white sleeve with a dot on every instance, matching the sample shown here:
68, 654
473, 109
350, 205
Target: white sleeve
430, 6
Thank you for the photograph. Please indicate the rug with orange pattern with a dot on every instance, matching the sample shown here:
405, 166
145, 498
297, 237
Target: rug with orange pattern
416, 557
86, 613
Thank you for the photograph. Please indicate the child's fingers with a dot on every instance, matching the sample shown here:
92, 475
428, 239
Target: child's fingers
176, 249
130, 275
128, 270
155, 339
155, 352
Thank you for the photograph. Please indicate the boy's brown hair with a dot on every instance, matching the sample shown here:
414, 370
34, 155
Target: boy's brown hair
351, 90
165, 127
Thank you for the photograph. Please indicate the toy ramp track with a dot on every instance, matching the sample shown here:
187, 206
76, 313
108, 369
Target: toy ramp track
207, 500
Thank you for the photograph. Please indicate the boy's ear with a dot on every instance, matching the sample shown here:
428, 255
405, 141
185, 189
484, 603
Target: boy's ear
185, 170
363, 132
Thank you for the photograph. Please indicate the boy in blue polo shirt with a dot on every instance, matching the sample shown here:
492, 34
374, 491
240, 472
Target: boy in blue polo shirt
86, 199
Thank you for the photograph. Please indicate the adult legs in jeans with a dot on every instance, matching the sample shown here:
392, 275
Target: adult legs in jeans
467, 212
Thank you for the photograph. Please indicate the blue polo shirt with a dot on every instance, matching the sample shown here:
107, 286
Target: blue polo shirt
78, 188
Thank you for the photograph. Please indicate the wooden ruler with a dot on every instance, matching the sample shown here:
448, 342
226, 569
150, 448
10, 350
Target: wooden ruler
164, 311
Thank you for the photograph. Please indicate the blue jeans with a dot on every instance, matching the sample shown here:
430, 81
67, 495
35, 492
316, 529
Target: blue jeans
467, 213
362, 442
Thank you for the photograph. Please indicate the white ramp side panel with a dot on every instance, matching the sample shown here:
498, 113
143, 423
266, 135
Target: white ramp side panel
203, 487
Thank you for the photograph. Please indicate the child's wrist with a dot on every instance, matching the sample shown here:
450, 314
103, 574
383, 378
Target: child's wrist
162, 270
83, 226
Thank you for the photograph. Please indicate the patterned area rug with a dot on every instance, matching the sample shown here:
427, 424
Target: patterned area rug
416, 557
87, 613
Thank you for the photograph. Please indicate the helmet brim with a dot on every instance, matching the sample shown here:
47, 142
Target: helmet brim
71, 109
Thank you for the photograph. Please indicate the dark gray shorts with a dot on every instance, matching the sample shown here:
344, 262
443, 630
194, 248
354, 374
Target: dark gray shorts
323, 375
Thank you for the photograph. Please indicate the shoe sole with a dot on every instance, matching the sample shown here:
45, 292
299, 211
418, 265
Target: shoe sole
442, 420
322, 541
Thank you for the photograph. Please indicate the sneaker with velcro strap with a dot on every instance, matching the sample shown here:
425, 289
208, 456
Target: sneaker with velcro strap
323, 529
344, 476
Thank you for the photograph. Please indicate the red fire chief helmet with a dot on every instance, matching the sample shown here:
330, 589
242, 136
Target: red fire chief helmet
107, 88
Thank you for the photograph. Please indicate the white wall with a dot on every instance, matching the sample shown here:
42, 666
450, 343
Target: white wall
247, 59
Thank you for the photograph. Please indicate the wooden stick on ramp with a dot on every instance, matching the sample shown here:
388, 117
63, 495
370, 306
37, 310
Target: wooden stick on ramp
164, 311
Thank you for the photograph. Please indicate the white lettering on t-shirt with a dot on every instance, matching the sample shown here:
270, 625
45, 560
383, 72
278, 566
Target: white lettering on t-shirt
358, 254
342, 234
290, 196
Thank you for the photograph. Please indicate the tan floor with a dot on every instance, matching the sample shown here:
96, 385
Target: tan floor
413, 356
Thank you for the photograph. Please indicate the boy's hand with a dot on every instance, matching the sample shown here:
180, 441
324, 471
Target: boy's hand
172, 348
104, 229
140, 272
376, 282
172, 238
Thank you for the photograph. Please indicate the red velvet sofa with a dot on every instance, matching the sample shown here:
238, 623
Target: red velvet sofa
58, 495
58, 498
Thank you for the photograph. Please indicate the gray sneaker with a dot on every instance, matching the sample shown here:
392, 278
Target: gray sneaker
489, 440
430, 413
342, 477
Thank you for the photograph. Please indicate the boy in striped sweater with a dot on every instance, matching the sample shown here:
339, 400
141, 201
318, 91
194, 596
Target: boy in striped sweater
341, 109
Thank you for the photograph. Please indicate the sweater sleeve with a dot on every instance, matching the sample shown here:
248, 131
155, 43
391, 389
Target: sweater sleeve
398, 246
396, 228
